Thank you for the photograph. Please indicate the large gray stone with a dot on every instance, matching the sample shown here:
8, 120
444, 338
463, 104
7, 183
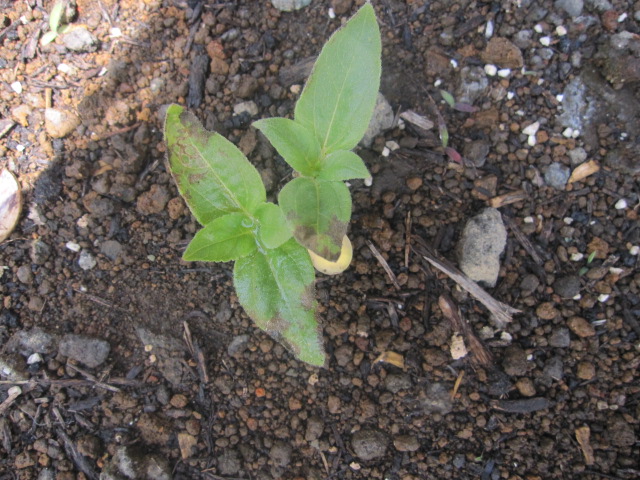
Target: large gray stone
482, 242
91, 352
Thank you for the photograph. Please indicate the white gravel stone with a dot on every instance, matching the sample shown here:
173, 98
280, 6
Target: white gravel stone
490, 70
621, 204
545, 41
16, 87
531, 129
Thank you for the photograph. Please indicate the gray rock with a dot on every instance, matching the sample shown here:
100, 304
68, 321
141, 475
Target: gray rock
343, 354
369, 444
249, 107
289, 5
229, 463
483, 240
86, 260
572, 7
163, 342
315, 427
568, 286
599, 5
60, 123
112, 249
46, 474
557, 175
381, 121
91, 352
27, 342
577, 155
396, 382
80, 40
472, 85
280, 453
436, 398
476, 152
39, 251
554, 369
238, 345
578, 107
560, 338
406, 443
25, 275
529, 284
132, 463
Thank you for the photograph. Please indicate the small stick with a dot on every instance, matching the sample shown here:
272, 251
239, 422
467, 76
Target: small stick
456, 385
407, 245
93, 379
500, 312
523, 240
384, 264
481, 355
14, 392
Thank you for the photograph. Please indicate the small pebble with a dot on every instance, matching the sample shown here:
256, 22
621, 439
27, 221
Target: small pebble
621, 204
16, 87
634, 250
531, 129
490, 70
488, 29
504, 72
561, 31
545, 41
73, 246
538, 28
602, 298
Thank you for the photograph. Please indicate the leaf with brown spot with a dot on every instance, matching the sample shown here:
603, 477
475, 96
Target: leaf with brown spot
318, 212
212, 174
276, 289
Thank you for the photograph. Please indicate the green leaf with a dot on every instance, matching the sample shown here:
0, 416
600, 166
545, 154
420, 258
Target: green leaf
273, 230
447, 97
294, 142
343, 165
213, 176
338, 100
318, 212
226, 238
48, 37
276, 288
56, 16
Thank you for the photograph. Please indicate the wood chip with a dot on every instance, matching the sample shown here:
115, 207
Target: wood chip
583, 170
391, 358
582, 436
527, 405
187, 443
13, 393
417, 120
508, 198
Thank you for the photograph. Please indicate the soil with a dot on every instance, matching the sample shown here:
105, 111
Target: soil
120, 360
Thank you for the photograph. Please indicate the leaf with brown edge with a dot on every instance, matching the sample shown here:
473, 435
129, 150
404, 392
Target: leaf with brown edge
276, 288
318, 212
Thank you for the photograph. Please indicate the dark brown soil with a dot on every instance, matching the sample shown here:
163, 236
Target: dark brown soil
186, 386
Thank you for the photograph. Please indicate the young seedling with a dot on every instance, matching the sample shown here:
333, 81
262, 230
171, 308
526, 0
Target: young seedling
58, 23
275, 247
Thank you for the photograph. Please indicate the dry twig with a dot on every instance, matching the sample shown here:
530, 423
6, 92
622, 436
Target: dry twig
384, 264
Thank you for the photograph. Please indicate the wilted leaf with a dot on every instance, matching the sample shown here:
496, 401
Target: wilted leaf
226, 238
276, 288
453, 154
464, 107
318, 212
213, 176
338, 100
10, 203
584, 170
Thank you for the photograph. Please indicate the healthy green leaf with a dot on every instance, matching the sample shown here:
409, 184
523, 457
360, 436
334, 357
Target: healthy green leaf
48, 37
447, 97
273, 230
56, 16
294, 142
226, 238
213, 176
276, 288
338, 100
318, 212
343, 165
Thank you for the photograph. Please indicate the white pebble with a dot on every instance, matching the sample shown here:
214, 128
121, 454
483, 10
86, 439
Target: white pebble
504, 72
454, 63
295, 89
20, 148
488, 29
531, 140
622, 18
74, 247
103, 72
560, 97
510, 95
24, 20
506, 337
386, 152
16, 87
437, 83
368, 181
603, 298
568, 220
528, 219
545, 41
115, 32
34, 358
635, 250
531, 129
538, 28
490, 70
561, 31
567, 132
575, 134
151, 258
576, 257
392, 145
332, 13
615, 270
577, 297
621, 204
